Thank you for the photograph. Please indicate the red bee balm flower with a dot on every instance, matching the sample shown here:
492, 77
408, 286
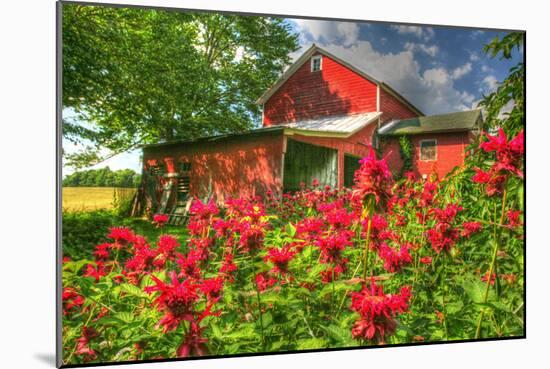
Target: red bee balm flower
160, 219
377, 311
468, 228
212, 287
175, 299
122, 236
280, 258
373, 178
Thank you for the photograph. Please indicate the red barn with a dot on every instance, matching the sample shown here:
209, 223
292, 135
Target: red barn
319, 118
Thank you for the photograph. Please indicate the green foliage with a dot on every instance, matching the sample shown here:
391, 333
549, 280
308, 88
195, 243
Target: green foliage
406, 150
81, 231
134, 76
103, 177
505, 107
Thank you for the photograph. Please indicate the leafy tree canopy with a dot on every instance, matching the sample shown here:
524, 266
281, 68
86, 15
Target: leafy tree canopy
136, 76
510, 92
103, 177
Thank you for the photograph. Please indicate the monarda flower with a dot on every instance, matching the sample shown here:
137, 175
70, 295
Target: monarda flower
189, 264
280, 259
377, 312
428, 194
194, 344
122, 236
252, 237
333, 245
95, 272
160, 220
332, 272
427, 260
509, 154
167, 245
513, 218
264, 281
493, 181
72, 300
469, 228
373, 178
176, 300
228, 268
212, 287
83, 344
102, 251
393, 259
442, 237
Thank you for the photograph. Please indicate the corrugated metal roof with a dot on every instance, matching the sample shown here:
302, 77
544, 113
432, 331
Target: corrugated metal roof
453, 122
344, 124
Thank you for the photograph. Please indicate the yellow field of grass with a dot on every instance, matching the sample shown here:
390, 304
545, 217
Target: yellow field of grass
92, 198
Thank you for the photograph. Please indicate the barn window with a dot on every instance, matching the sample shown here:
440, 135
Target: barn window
316, 63
428, 150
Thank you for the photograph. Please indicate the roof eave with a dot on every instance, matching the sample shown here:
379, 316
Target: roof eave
455, 130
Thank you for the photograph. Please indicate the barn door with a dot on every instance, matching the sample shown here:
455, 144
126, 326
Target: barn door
305, 162
351, 164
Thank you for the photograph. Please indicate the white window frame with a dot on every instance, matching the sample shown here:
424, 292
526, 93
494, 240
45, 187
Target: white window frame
317, 57
434, 140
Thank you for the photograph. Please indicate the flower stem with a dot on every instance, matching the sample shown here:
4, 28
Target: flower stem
493, 263
261, 316
367, 241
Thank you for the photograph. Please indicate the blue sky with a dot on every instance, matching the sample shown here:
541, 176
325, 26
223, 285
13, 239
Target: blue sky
439, 69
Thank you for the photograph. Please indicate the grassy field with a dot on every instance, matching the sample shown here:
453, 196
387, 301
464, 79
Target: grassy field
92, 198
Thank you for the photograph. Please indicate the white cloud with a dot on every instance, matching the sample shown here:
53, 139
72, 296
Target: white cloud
430, 50
462, 71
476, 34
425, 33
490, 83
326, 32
474, 57
432, 90
486, 69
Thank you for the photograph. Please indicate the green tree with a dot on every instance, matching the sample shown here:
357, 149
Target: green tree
137, 76
510, 92
104, 177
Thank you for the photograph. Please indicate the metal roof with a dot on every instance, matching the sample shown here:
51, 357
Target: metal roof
453, 122
344, 124
251, 133
335, 126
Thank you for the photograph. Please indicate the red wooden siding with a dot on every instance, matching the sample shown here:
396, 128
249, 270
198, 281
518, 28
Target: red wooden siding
392, 108
232, 167
335, 90
450, 153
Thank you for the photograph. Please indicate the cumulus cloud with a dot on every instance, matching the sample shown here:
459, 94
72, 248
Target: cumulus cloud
414, 47
425, 33
431, 90
462, 71
490, 83
326, 32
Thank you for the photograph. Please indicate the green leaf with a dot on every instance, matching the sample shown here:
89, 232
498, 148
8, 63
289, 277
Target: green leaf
132, 290
124, 316
340, 335
312, 343
476, 290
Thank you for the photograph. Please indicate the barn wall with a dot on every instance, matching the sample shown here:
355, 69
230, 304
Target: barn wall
230, 168
450, 153
392, 108
356, 145
335, 90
